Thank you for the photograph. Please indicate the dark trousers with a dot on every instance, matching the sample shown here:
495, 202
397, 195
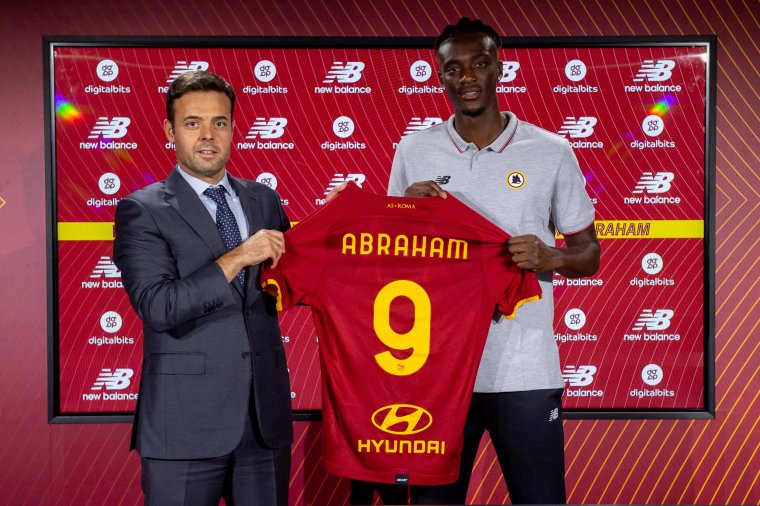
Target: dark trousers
526, 432
363, 492
251, 475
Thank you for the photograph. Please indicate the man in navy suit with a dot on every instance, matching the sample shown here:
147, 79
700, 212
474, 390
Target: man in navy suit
213, 418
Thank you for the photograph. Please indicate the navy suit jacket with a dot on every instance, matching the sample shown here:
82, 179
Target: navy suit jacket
208, 344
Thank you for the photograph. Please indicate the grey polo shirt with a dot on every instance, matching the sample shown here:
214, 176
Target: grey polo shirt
527, 182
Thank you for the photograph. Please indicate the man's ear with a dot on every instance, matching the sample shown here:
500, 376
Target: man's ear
500, 66
440, 78
169, 130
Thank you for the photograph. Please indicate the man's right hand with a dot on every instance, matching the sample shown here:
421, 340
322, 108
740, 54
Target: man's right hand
425, 189
263, 245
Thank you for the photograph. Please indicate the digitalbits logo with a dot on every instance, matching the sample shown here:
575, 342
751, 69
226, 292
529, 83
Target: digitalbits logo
115, 128
183, 66
652, 374
653, 125
421, 71
654, 182
267, 179
117, 379
111, 322
575, 70
580, 376
652, 263
652, 71
509, 71
107, 70
272, 128
343, 127
575, 319
578, 128
349, 72
109, 183
265, 71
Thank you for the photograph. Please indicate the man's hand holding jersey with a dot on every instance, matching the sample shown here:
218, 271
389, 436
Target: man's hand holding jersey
530, 252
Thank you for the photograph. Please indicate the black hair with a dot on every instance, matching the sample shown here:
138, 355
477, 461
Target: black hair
197, 80
466, 26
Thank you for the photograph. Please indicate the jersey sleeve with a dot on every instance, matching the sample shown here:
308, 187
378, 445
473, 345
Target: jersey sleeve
521, 287
511, 285
293, 280
572, 210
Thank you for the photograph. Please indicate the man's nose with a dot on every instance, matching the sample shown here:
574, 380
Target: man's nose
468, 74
206, 132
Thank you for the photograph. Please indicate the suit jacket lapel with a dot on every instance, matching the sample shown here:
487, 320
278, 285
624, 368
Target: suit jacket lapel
185, 201
249, 202
250, 205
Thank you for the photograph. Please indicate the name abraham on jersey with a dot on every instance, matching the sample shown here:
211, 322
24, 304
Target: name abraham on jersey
402, 245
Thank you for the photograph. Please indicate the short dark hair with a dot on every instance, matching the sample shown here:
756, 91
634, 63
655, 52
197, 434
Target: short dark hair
197, 80
466, 26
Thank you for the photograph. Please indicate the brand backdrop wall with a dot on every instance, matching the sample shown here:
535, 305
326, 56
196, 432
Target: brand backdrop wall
620, 461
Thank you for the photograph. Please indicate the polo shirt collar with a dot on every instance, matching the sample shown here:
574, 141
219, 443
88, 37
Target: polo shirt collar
498, 145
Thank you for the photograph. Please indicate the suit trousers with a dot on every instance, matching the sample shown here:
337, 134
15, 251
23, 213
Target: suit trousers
251, 475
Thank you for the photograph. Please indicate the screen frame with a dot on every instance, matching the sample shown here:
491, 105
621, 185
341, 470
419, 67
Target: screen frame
51, 42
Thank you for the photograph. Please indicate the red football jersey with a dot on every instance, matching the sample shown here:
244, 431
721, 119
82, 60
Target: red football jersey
402, 293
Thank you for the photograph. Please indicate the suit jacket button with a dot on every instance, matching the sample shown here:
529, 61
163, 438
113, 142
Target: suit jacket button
246, 354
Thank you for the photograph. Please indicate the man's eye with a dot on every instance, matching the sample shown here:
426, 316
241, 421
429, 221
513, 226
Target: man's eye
221, 124
191, 124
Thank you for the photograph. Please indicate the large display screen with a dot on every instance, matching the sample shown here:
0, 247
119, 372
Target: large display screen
635, 340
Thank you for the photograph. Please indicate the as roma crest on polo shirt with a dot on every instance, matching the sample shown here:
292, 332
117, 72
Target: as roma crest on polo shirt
515, 179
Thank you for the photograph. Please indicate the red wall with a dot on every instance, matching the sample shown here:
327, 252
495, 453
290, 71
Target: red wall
686, 461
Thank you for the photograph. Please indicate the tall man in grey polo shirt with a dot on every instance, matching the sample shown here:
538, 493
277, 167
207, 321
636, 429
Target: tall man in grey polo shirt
527, 181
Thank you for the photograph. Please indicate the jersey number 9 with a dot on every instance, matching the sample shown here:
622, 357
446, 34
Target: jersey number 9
418, 337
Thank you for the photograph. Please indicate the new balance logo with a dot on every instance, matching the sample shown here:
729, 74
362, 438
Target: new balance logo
652, 71
654, 182
416, 124
509, 71
348, 72
442, 179
271, 128
105, 268
577, 128
115, 128
118, 379
553, 414
339, 179
580, 376
654, 320
182, 66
